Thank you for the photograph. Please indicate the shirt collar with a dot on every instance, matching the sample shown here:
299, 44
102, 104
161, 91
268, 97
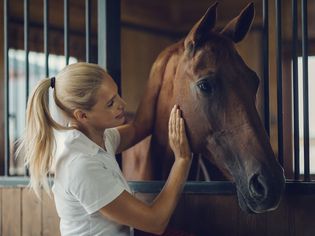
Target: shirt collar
76, 139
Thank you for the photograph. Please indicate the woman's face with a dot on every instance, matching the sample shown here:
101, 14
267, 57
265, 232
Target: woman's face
109, 110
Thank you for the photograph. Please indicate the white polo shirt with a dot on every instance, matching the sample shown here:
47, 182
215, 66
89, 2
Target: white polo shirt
86, 179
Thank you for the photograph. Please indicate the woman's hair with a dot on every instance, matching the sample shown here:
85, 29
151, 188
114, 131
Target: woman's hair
75, 88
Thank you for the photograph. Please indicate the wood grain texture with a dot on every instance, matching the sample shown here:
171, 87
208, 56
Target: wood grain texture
196, 214
12, 212
31, 214
50, 217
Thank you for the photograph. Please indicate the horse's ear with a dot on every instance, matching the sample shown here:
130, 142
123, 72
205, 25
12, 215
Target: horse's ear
237, 28
204, 25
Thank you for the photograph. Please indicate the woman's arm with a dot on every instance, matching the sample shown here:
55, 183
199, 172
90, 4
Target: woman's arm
128, 210
142, 125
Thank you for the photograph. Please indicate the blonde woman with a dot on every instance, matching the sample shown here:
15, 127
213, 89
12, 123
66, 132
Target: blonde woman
91, 195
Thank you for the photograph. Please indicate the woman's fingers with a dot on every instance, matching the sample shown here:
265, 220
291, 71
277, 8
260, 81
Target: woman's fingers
177, 134
181, 130
171, 121
177, 122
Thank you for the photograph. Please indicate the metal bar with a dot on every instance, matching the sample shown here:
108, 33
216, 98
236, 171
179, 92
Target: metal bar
39, 25
26, 46
191, 187
6, 88
46, 36
305, 92
295, 79
101, 33
109, 26
87, 30
109, 38
279, 80
66, 31
266, 65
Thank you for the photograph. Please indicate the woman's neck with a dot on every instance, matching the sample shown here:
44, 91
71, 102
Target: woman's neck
95, 135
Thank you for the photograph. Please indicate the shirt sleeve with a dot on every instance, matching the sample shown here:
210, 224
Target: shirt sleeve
94, 185
112, 139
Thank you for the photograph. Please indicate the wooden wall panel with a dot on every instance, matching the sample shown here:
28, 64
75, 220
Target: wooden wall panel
1, 211
210, 214
201, 214
31, 214
250, 224
304, 215
179, 217
50, 217
280, 222
138, 52
11, 209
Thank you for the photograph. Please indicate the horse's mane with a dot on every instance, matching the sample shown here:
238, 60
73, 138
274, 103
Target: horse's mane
159, 66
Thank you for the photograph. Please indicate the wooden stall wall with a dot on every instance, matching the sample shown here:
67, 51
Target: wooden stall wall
22, 214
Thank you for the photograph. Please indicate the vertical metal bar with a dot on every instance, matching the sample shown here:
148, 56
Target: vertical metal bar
109, 40
266, 65
26, 46
295, 91
87, 30
305, 91
279, 80
109, 25
6, 87
66, 30
46, 36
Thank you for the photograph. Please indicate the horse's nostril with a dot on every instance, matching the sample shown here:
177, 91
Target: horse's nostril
257, 187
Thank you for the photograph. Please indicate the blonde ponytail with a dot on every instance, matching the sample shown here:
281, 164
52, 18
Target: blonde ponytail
37, 142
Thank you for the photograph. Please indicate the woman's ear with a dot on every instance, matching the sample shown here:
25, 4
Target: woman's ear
80, 115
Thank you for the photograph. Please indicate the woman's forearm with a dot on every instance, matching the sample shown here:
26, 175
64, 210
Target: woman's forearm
165, 203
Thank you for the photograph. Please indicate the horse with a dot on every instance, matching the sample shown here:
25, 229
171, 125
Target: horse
216, 91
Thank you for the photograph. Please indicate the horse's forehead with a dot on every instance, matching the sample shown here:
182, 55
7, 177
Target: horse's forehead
212, 54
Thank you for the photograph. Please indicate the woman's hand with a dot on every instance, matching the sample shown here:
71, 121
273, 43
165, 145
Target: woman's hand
177, 135
128, 210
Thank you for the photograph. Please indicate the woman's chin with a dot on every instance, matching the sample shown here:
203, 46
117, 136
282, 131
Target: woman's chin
122, 121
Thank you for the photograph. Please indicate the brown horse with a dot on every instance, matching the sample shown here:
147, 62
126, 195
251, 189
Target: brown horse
216, 90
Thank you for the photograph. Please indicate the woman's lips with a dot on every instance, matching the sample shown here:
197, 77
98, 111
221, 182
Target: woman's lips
121, 115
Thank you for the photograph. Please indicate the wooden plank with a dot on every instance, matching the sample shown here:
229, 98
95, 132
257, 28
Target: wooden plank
179, 216
304, 214
1, 211
11, 208
251, 224
178, 221
31, 213
210, 214
50, 216
280, 222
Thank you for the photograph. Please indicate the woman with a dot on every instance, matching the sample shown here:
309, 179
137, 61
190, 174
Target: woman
91, 195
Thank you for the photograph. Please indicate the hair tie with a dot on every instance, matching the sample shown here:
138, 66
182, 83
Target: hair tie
52, 82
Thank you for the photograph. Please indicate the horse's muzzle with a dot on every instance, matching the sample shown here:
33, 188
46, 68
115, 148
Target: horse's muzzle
262, 193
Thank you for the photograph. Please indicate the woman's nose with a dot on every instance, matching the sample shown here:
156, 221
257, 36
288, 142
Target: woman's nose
122, 103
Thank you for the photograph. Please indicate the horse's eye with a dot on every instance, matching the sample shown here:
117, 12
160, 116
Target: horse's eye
205, 86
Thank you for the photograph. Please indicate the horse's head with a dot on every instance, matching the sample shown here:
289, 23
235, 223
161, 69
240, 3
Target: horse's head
216, 91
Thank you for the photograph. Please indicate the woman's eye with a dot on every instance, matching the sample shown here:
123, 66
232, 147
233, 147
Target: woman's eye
205, 86
110, 104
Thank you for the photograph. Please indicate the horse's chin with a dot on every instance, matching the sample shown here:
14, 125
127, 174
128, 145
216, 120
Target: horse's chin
246, 206
243, 203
